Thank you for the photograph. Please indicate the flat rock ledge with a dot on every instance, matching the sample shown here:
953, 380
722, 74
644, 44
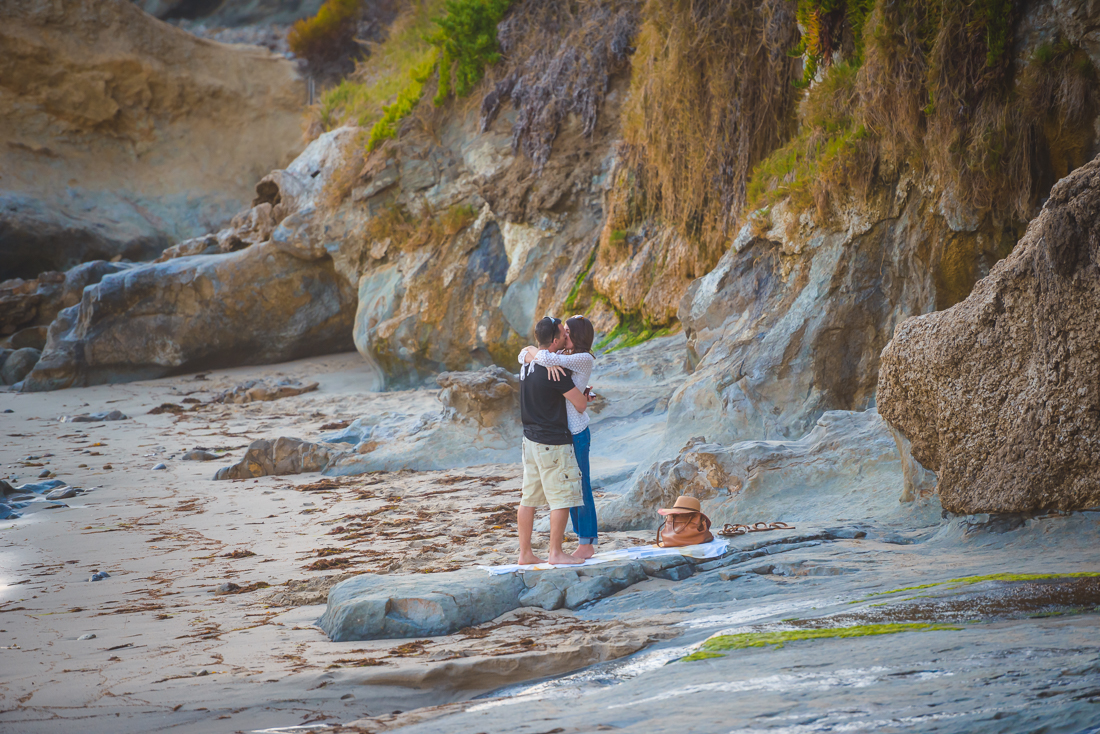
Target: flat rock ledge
377, 607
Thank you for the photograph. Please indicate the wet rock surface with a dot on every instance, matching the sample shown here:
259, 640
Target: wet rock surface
375, 607
835, 647
999, 395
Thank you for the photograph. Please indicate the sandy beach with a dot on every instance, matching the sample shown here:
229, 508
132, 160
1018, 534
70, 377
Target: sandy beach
214, 587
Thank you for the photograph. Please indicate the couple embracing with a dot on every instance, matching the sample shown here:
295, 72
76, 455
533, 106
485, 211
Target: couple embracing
554, 397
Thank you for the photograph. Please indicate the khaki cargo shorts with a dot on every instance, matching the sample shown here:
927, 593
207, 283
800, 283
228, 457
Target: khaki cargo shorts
550, 476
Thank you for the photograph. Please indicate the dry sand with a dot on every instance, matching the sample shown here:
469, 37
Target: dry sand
169, 652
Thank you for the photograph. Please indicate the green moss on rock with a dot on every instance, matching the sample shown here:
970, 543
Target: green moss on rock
724, 643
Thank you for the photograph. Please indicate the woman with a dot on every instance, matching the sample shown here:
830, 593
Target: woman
578, 358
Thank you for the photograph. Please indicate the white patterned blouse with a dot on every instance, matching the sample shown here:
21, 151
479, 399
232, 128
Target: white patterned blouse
581, 364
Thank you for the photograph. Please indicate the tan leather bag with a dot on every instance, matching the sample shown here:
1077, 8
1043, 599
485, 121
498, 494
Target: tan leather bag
683, 529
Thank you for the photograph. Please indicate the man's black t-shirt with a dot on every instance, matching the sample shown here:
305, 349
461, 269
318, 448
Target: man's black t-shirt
542, 406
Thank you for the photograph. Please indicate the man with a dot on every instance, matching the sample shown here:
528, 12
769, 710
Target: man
551, 475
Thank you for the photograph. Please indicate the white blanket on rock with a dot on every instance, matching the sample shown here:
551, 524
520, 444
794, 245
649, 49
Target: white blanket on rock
712, 549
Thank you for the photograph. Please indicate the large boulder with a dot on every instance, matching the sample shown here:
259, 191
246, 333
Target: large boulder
254, 306
1000, 394
123, 134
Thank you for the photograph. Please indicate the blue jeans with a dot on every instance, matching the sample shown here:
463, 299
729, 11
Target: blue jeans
584, 516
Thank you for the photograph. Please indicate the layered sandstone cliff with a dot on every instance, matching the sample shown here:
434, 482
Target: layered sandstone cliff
123, 134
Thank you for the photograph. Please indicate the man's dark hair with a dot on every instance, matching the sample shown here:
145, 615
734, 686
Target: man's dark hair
546, 330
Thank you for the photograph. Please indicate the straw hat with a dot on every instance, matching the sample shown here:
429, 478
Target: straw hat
684, 504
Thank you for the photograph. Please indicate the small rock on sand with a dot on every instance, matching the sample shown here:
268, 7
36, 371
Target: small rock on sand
44, 474
114, 415
62, 493
99, 576
89, 636
265, 390
200, 455
159, 467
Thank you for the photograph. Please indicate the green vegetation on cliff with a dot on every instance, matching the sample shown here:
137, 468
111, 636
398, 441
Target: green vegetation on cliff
830, 28
929, 87
467, 43
631, 331
386, 89
711, 95
327, 35
362, 97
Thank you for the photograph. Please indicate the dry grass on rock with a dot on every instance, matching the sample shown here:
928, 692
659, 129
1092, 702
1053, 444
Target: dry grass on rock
711, 96
560, 59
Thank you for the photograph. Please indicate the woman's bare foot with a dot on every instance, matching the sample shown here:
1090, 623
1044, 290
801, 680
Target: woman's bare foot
529, 559
562, 558
585, 551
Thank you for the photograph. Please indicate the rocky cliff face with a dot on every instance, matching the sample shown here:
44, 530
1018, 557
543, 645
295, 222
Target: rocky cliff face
475, 223
123, 135
1000, 395
791, 321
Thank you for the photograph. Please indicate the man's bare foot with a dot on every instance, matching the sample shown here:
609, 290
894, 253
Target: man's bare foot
585, 551
561, 558
529, 559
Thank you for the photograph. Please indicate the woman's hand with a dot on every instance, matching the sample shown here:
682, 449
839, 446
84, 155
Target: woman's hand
555, 372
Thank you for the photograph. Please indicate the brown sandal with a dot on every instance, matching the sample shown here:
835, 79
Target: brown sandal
780, 526
730, 530
759, 527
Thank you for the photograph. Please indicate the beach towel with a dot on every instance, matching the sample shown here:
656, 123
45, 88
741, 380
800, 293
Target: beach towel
712, 549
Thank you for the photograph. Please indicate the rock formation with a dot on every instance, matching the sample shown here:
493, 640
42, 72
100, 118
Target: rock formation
791, 321
263, 390
29, 304
490, 397
1000, 394
849, 464
254, 306
123, 135
464, 231
277, 458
